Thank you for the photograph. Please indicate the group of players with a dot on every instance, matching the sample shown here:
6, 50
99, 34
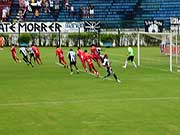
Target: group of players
28, 54
85, 57
87, 60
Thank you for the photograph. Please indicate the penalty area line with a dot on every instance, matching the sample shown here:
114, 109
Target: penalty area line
140, 99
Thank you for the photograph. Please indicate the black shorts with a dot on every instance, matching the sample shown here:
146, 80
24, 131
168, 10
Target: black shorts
131, 58
31, 55
73, 63
109, 70
25, 58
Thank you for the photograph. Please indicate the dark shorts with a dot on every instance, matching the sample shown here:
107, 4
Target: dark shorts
25, 58
31, 55
130, 58
14, 56
109, 70
61, 57
73, 63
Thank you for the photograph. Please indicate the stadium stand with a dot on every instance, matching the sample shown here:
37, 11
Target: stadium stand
14, 10
111, 13
158, 9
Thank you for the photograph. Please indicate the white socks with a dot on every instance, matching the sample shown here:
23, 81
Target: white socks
126, 62
134, 64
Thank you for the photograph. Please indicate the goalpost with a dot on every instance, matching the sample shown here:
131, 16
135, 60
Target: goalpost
170, 47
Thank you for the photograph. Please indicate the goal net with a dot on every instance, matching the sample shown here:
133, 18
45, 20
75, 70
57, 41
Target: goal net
167, 42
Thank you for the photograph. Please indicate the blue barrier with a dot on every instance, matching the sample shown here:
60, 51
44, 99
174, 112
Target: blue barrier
107, 44
23, 44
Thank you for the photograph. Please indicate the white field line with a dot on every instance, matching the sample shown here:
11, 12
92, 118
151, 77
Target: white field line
143, 99
81, 70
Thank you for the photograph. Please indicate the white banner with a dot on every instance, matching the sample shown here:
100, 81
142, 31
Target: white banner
72, 27
42, 27
174, 24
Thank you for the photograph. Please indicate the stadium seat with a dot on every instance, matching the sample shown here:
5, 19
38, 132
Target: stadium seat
111, 13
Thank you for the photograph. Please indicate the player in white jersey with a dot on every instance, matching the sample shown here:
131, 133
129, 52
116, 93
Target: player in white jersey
72, 59
106, 64
23, 51
98, 49
31, 54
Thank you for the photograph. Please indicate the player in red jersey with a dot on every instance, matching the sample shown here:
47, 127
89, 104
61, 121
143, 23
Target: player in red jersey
93, 50
1, 42
88, 59
59, 54
81, 56
37, 54
13, 52
95, 54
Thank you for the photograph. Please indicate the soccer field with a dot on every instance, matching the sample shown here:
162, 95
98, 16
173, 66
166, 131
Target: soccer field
47, 100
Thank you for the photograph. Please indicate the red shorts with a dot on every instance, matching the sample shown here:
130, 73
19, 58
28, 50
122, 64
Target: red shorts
90, 65
14, 56
82, 60
96, 56
93, 55
37, 55
61, 57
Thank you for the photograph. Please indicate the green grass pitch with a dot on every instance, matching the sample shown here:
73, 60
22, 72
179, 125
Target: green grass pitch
47, 100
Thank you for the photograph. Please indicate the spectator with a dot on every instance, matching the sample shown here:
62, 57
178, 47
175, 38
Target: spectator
61, 3
32, 1
91, 11
4, 14
37, 13
21, 3
80, 12
67, 4
43, 3
88, 10
27, 6
72, 11
39, 2
84, 12
46, 9
51, 5
33, 5
20, 16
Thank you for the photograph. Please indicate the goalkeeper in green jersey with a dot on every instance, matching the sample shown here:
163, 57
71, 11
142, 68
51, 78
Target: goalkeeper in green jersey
130, 58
